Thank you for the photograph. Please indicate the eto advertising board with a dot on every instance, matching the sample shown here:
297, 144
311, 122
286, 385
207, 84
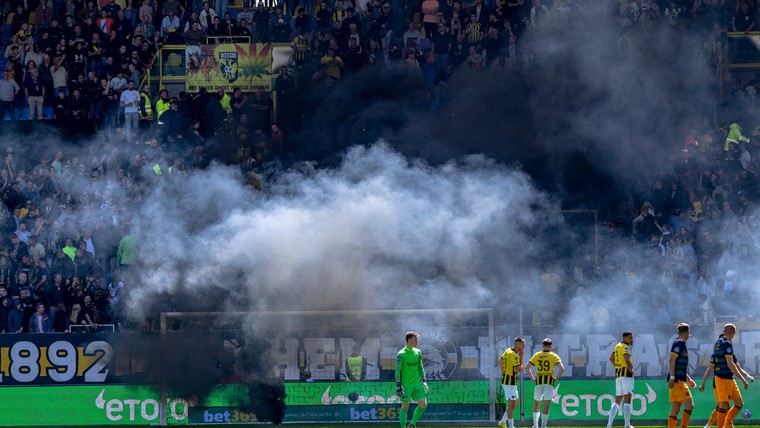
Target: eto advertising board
578, 400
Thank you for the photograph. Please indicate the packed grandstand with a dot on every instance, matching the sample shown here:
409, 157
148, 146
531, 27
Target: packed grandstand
76, 70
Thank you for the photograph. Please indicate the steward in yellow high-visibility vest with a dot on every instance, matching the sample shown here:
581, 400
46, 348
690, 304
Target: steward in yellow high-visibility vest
146, 105
225, 100
162, 105
356, 366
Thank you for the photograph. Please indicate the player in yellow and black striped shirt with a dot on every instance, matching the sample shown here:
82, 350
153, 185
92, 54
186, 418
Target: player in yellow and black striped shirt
621, 360
544, 361
511, 365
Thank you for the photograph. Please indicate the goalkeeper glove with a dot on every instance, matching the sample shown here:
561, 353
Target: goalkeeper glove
399, 389
424, 384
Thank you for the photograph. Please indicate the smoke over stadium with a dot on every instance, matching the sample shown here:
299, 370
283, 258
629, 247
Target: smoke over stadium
390, 204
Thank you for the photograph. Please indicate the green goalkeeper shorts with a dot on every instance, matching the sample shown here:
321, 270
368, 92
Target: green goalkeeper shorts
416, 393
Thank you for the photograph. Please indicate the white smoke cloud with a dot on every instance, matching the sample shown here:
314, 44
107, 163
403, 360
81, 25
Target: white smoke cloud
379, 232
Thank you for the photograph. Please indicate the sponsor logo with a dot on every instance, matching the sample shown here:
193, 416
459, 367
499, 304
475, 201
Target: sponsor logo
359, 399
591, 404
133, 409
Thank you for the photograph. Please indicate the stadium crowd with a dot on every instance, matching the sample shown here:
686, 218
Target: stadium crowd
66, 230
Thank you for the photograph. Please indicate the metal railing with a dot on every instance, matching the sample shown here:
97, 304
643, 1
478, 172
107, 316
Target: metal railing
227, 39
81, 328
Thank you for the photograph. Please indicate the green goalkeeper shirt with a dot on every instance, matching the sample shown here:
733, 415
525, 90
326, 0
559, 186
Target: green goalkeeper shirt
409, 369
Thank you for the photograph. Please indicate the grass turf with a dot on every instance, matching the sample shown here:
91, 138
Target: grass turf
422, 424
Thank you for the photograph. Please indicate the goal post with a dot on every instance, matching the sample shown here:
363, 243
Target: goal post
457, 344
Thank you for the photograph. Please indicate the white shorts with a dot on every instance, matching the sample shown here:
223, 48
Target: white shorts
623, 386
543, 392
510, 392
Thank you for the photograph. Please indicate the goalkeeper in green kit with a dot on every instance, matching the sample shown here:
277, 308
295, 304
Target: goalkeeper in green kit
410, 380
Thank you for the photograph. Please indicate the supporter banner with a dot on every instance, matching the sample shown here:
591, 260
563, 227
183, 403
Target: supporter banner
35, 359
247, 66
465, 354
450, 354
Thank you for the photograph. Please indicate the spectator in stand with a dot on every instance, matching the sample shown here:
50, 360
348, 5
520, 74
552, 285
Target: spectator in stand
474, 30
302, 22
9, 89
284, 85
412, 35
104, 22
16, 317
324, 17
261, 23
170, 27
221, 6
206, 16
279, 26
261, 106
61, 319
172, 128
40, 322
374, 53
122, 24
215, 30
145, 28
55, 293
35, 94
277, 141
5, 310
300, 48
133, 74
195, 35
241, 33
441, 47
354, 56
78, 107
61, 106
35, 55
90, 314
743, 20
430, 10
92, 92
228, 26
246, 15
238, 103
118, 83
130, 102
538, 14
60, 75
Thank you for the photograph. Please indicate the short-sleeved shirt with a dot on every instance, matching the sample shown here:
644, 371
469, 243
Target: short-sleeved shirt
511, 360
723, 350
743, 20
128, 97
682, 360
545, 362
8, 89
621, 368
